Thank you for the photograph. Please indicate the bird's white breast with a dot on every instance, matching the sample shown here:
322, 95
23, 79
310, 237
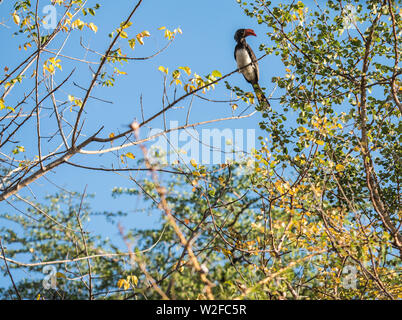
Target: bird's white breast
243, 59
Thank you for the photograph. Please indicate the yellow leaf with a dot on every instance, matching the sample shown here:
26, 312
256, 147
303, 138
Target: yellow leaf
133, 280
111, 135
93, 27
126, 285
119, 72
61, 275
125, 26
131, 43
16, 18
121, 283
193, 163
145, 33
186, 70
216, 74
2, 106
320, 142
123, 34
168, 34
78, 24
139, 38
78, 102
234, 106
130, 155
49, 68
163, 69
279, 187
302, 129
161, 28
26, 45
300, 12
340, 167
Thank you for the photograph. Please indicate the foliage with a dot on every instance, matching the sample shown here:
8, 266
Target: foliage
313, 213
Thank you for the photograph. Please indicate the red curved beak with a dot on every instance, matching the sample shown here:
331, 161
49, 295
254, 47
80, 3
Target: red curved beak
250, 32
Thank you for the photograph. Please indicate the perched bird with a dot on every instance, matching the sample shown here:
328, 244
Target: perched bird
244, 56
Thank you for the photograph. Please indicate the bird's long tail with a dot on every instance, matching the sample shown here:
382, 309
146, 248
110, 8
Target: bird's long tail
262, 99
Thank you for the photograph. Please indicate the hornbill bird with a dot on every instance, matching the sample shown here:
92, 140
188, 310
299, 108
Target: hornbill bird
244, 56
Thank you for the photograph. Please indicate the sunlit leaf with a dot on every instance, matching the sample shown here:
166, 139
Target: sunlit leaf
340, 167
193, 163
93, 27
131, 43
186, 70
130, 155
320, 142
16, 18
163, 69
216, 74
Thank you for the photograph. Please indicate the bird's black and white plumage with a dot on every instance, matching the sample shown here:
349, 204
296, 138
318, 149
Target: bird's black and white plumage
248, 64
